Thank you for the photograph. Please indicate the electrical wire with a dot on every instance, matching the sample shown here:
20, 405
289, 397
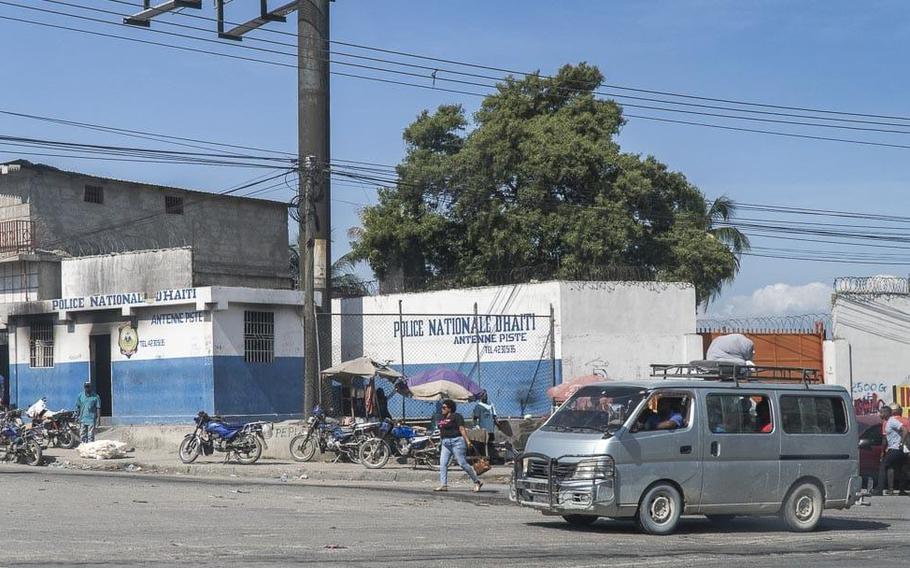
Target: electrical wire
487, 86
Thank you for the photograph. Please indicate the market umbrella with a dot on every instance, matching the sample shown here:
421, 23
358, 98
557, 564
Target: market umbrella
442, 383
561, 392
361, 367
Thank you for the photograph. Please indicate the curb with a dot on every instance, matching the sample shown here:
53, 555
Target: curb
289, 472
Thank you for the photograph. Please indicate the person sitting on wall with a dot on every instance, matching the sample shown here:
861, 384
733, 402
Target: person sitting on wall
88, 412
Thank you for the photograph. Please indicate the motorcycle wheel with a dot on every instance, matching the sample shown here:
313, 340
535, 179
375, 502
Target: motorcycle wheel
31, 453
190, 448
302, 448
66, 439
374, 453
252, 449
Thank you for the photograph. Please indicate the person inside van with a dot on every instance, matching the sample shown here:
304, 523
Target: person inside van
763, 410
669, 411
647, 420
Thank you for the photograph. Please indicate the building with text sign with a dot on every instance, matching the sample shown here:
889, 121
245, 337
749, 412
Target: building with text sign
157, 355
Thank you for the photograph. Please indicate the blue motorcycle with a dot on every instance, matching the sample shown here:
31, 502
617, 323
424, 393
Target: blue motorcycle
324, 434
402, 441
212, 433
16, 442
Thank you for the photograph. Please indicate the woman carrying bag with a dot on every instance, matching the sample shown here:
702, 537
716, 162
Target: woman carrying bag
454, 442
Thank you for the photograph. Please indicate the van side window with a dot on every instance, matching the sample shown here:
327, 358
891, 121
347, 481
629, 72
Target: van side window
665, 411
739, 414
813, 414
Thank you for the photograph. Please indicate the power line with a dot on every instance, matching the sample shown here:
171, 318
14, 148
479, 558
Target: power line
505, 70
433, 87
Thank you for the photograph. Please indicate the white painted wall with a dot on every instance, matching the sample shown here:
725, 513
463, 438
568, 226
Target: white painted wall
872, 339
228, 329
621, 326
624, 327
376, 335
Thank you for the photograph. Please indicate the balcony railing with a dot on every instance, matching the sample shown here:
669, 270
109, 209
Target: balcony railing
16, 237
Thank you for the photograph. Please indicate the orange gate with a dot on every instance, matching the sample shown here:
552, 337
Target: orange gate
781, 348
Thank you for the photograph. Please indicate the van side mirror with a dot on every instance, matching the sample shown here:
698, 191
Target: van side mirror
865, 443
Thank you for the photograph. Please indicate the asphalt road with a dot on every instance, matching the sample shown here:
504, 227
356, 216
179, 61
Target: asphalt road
63, 518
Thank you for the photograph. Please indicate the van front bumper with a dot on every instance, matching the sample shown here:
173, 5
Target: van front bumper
553, 494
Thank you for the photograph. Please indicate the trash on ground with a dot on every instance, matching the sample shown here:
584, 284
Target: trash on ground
102, 450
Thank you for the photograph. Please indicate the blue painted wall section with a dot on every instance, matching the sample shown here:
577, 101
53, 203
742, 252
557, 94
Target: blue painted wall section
254, 391
61, 384
161, 391
515, 388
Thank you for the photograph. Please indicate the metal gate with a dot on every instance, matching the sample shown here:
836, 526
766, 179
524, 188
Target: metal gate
781, 345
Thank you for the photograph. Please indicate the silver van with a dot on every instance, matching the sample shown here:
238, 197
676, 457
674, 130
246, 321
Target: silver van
714, 444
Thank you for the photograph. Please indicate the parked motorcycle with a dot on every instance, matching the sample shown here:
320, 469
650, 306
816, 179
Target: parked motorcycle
57, 428
16, 442
324, 433
213, 434
401, 441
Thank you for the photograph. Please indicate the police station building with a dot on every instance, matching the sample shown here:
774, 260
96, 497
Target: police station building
162, 357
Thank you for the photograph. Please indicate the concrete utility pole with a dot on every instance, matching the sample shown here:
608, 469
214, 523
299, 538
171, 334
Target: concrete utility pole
306, 239
314, 157
313, 140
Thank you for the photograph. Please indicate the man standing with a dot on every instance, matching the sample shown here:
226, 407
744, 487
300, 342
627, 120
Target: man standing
893, 458
88, 410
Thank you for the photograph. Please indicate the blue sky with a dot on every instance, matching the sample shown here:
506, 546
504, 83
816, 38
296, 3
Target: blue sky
826, 54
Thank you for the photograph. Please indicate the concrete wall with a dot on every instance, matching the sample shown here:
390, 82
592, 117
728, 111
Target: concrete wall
624, 327
141, 271
617, 326
872, 337
252, 391
237, 241
190, 357
515, 365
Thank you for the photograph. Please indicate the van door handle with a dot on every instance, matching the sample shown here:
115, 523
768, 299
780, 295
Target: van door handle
685, 449
715, 448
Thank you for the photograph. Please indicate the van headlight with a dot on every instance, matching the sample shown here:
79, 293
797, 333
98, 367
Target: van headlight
597, 468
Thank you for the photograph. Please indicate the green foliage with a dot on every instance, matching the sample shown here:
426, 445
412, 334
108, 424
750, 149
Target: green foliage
540, 185
345, 282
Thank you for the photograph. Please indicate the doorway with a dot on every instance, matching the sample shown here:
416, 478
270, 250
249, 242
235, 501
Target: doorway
100, 347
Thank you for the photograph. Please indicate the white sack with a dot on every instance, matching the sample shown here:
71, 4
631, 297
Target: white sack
102, 449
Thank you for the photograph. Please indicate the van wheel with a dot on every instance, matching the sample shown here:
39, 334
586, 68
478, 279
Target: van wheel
803, 508
659, 510
720, 519
580, 520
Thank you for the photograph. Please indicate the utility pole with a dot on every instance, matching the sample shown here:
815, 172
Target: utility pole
314, 158
313, 140
306, 238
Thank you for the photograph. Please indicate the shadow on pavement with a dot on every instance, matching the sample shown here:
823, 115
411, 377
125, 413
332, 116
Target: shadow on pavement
695, 525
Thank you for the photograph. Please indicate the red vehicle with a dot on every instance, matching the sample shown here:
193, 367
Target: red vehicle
871, 444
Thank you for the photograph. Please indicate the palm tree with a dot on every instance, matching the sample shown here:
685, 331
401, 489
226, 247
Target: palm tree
345, 281
718, 218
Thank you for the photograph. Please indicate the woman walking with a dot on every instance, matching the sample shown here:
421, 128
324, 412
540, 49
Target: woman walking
454, 442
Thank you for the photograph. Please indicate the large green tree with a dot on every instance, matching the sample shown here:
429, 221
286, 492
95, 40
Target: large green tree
536, 186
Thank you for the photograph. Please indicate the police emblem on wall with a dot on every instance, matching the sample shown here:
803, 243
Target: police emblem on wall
128, 340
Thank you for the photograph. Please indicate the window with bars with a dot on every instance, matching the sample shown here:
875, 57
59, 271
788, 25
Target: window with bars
41, 344
173, 205
258, 337
93, 194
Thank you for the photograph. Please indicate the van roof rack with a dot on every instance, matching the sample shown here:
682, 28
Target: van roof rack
735, 372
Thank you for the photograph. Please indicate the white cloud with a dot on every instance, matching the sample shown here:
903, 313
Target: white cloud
777, 300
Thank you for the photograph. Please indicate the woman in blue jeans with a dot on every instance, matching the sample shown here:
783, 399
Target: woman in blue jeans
454, 441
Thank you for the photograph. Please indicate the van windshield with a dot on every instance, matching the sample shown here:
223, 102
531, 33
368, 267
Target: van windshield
596, 409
